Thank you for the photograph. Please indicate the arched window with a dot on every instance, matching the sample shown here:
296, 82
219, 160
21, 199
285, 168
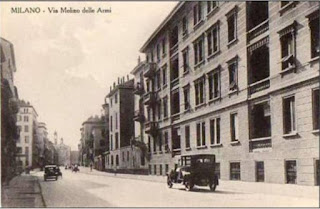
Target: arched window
111, 159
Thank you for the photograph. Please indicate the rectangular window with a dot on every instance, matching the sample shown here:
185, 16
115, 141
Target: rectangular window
186, 95
197, 13
213, 40
215, 131
116, 120
214, 85
317, 170
166, 141
158, 52
315, 109
260, 171
163, 46
164, 75
185, 59
159, 109
201, 134
198, 47
232, 27
291, 171
165, 107
150, 167
233, 74
211, 5
155, 169
123, 157
149, 144
111, 142
158, 80
187, 136
199, 91
314, 30
234, 127
19, 150
217, 170
26, 139
155, 144
26, 128
111, 123
260, 120
160, 142
235, 171
25, 118
117, 140
116, 98
167, 168
184, 26
160, 169
289, 123
287, 51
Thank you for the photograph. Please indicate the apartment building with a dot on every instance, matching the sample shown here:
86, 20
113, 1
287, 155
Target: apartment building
238, 80
27, 125
123, 155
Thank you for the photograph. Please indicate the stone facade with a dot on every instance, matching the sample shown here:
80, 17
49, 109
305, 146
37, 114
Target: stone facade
238, 80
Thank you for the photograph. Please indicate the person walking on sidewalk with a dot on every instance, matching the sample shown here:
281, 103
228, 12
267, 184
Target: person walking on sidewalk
115, 170
91, 166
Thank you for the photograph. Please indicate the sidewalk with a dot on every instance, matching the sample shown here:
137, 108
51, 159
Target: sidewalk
22, 191
311, 192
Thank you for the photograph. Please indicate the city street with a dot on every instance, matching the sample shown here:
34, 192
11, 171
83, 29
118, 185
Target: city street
91, 190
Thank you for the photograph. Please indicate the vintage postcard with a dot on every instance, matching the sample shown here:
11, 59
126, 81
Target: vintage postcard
159, 103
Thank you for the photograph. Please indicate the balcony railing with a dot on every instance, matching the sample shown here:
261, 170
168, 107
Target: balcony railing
151, 127
260, 143
150, 69
138, 89
174, 49
150, 98
258, 30
259, 86
138, 116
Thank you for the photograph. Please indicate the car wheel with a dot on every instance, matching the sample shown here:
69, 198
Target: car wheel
169, 182
212, 186
189, 185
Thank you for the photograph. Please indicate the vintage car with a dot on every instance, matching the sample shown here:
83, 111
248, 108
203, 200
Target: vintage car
51, 171
194, 170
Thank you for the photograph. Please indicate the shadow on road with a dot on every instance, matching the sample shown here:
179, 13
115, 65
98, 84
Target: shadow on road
208, 191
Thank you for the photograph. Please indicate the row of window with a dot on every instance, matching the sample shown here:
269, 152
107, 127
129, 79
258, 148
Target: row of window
260, 124
111, 122
26, 129
114, 144
25, 118
290, 171
125, 158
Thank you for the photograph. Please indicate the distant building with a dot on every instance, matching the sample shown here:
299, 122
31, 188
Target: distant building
74, 157
9, 109
63, 151
41, 140
93, 141
27, 144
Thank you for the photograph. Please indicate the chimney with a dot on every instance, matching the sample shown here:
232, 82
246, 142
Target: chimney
123, 79
114, 84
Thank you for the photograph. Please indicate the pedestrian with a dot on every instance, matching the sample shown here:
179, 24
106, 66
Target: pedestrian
91, 166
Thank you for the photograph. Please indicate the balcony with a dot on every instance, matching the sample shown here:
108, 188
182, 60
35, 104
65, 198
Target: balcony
138, 89
258, 30
150, 98
260, 144
150, 70
138, 116
259, 86
151, 127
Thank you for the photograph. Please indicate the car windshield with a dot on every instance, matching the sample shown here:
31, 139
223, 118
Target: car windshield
197, 160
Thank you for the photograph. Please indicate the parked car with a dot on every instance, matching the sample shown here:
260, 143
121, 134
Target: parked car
194, 170
51, 171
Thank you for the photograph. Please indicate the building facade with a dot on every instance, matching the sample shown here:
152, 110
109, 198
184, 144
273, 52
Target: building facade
41, 140
123, 155
27, 144
238, 80
62, 152
9, 109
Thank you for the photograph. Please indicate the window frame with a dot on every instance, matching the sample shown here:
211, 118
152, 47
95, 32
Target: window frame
199, 51
197, 14
234, 127
187, 136
211, 84
186, 97
232, 175
315, 108
211, 40
233, 84
292, 115
234, 15
201, 135
215, 133
198, 99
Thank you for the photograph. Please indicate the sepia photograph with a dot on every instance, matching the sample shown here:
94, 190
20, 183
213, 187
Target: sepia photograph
159, 104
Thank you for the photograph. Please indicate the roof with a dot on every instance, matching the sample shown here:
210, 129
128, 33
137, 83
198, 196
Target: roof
161, 26
138, 67
95, 119
126, 85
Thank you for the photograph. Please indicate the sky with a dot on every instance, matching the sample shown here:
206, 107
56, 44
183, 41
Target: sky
66, 63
